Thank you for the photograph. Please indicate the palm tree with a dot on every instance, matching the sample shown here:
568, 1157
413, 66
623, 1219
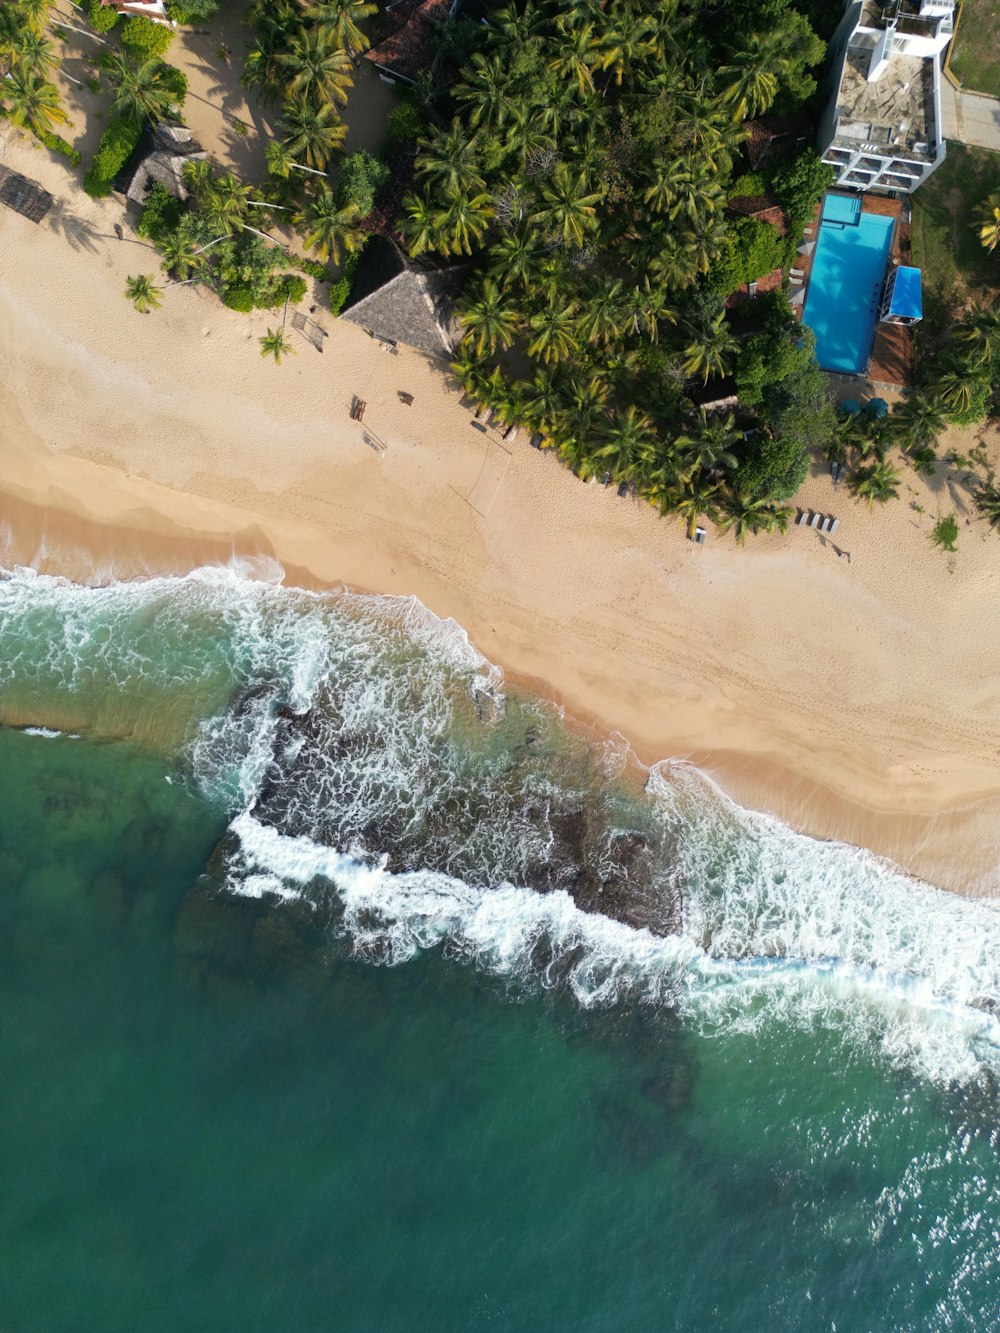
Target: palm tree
33, 102
465, 220
708, 443
143, 293
876, 484
569, 210
224, 200
449, 160
424, 226
33, 54
919, 419
626, 40
489, 318
263, 70
316, 70
956, 389
314, 133
987, 500
628, 446
330, 226
33, 13
181, 257
515, 258
987, 222
750, 88
980, 333
603, 315
711, 350
554, 327
339, 20
575, 56
695, 498
487, 93
143, 91
744, 514
275, 343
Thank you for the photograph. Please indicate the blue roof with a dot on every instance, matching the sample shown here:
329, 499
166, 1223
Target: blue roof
906, 300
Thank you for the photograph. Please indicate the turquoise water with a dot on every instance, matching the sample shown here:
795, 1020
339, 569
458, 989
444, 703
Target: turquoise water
307, 1020
845, 284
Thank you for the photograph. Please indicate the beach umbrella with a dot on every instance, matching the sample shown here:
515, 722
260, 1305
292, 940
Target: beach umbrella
850, 407
878, 408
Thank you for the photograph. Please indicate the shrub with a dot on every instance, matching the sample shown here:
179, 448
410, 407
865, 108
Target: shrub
407, 120
361, 177
755, 248
117, 142
339, 292
160, 215
238, 297
771, 469
102, 18
945, 533
192, 11
314, 268
749, 185
143, 39
59, 145
293, 288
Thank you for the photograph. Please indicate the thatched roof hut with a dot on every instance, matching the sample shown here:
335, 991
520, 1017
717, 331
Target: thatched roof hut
402, 300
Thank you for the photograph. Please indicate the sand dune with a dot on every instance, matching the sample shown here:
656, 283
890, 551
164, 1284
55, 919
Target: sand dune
856, 698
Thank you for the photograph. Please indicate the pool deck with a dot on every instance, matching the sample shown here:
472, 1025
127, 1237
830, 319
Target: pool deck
891, 363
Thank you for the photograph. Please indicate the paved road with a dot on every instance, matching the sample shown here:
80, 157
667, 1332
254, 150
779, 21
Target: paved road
970, 118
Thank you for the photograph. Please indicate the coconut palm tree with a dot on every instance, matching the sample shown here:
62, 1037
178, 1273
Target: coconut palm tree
628, 445
490, 319
32, 102
424, 227
143, 293
749, 87
339, 20
711, 350
449, 160
465, 220
263, 70
695, 497
515, 258
987, 500
316, 69
956, 389
706, 446
744, 514
569, 208
182, 258
603, 314
980, 334
487, 93
877, 483
314, 133
224, 201
627, 39
275, 343
919, 420
987, 222
34, 55
33, 13
554, 329
143, 90
575, 56
330, 225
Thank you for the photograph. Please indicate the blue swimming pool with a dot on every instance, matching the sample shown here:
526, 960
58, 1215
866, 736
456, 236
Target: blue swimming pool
852, 251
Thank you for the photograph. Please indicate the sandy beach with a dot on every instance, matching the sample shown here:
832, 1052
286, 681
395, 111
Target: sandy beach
855, 697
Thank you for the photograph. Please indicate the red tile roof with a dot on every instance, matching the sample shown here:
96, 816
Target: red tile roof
408, 50
763, 206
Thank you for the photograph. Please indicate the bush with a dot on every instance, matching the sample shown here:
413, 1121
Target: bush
102, 18
293, 288
747, 186
160, 215
117, 142
771, 469
314, 268
407, 120
361, 178
59, 145
945, 533
339, 292
192, 11
143, 39
755, 248
238, 297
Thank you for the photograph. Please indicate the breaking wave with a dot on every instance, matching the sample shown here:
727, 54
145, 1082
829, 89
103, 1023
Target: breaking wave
374, 764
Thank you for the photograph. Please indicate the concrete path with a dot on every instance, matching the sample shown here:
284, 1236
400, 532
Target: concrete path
970, 118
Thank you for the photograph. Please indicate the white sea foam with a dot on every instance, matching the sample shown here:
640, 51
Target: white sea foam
46, 732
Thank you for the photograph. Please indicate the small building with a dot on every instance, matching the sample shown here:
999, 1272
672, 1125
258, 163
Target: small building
160, 158
902, 302
402, 300
401, 56
882, 129
24, 196
774, 136
155, 10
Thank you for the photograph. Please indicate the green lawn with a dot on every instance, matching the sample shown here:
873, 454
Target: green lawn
975, 58
956, 269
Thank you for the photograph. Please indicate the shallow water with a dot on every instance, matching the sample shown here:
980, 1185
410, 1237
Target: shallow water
341, 985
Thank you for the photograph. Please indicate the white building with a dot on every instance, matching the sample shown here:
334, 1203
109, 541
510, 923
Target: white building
150, 9
882, 131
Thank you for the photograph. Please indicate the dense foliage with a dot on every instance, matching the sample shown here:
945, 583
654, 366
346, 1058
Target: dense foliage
113, 150
585, 168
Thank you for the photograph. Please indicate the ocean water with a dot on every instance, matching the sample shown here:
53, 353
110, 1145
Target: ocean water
342, 985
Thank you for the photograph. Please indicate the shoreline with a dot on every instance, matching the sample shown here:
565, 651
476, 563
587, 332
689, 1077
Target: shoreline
918, 842
856, 700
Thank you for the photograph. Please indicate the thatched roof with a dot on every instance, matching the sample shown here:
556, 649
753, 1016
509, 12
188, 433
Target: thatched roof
161, 158
398, 299
24, 196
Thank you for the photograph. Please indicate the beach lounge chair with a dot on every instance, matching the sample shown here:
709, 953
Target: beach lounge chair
816, 520
834, 525
800, 517
699, 536
358, 410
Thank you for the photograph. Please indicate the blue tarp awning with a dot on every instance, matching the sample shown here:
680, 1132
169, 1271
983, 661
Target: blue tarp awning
906, 302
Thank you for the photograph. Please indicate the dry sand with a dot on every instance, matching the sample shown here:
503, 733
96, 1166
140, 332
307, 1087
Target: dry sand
857, 699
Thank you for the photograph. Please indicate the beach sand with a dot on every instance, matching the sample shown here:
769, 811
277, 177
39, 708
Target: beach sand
857, 698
